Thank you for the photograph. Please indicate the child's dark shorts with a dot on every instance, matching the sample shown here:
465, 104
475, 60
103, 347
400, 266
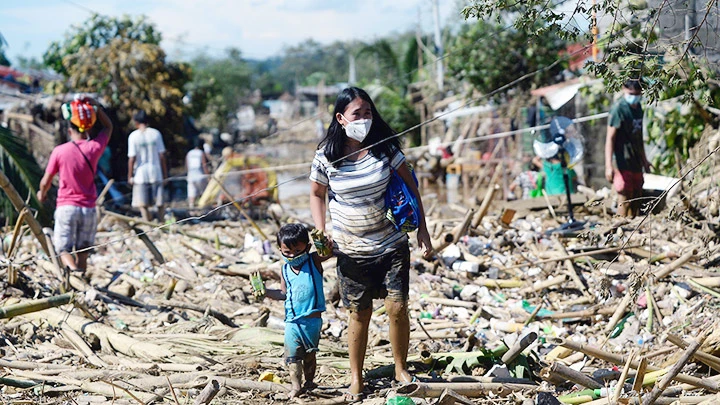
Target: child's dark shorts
364, 279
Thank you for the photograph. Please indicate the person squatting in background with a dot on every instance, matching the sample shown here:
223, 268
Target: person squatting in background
76, 163
353, 166
301, 287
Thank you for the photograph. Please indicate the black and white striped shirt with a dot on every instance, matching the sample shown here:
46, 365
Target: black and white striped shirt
356, 190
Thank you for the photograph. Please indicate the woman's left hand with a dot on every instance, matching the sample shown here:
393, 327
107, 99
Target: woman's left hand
423, 238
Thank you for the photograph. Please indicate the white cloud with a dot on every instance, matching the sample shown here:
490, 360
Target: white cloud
260, 28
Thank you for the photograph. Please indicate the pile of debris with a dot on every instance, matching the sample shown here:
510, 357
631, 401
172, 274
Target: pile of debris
621, 311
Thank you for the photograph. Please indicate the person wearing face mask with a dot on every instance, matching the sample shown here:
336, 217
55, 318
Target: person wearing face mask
352, 167
301, 287
624, 141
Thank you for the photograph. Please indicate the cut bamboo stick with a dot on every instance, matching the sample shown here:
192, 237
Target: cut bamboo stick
471, 390
565, 373
674, 371
485, 205
518, 347
591, 351
27, 307
676, 264
20, 205
709, 359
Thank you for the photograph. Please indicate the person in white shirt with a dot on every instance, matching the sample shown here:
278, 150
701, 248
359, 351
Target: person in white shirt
147, 166
197, 166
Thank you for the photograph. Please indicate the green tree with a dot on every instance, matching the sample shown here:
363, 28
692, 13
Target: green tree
3, 59
97, 32
218, 87
489, 56
121, 61
24, 174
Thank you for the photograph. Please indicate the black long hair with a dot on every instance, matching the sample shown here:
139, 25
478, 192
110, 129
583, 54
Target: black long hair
334, 142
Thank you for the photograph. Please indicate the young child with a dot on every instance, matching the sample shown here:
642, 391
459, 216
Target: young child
301, 286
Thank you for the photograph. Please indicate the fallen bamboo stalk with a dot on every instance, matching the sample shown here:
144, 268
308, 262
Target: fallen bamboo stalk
571, 270
518, 347
462, 228
198, 308
240, 208
79, 343
586, 313
623, 375
208, 393
545, 284
149, 244
639, 375
455, 234
20, 205
110, 338
708, 359
676, 264
96, 387
572, 256
450, 303
498, 283
163, 227
620, 360
565, 373
674, 371
618, 314
710, 282
471, 390
27, 307
485, 205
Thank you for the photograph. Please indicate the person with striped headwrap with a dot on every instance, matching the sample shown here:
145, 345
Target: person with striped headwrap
76, 163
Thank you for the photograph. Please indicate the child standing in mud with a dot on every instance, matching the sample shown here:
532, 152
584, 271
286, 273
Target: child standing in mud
301, 287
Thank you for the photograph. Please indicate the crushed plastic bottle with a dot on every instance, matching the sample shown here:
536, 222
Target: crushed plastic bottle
400, 400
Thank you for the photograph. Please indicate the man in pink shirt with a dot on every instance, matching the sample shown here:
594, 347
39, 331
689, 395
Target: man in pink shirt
76, 162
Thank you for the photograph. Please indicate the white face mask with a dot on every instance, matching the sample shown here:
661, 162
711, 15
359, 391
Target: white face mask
358, 129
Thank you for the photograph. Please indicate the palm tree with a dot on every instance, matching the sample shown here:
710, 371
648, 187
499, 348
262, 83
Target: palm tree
23, 172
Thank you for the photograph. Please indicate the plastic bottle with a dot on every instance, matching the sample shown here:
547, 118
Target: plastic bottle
468, 267
400, 400
321, 242
620, 326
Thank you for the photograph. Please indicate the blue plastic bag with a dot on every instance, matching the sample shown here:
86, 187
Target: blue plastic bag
403, 208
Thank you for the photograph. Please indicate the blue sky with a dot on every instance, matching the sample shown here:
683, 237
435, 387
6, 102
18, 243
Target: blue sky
260, 28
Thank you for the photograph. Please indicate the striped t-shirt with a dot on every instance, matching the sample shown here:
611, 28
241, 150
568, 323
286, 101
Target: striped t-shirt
356, 190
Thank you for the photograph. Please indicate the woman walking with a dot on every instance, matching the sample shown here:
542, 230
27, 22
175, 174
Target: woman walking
353, 166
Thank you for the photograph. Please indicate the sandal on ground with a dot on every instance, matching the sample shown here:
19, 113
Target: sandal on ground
396, 384
351, 398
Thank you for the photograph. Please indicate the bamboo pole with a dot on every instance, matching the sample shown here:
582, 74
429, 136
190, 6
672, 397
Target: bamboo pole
545, 284
471, 390
240, 208
565, 373
623, 376
485, 205
619, 360
149, 244
709, 359
19, 205
676, 264
618, 314
208, 393
674, 371
157, 225
27, 307
572, 256
110, 338
518, 347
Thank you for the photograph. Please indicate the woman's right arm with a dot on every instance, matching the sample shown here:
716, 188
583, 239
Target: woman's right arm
318, 205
